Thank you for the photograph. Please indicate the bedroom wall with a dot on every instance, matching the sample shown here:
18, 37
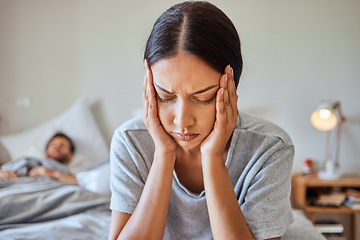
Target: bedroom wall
296, 53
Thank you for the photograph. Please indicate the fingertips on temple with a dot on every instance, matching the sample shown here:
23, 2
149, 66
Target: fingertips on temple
220, 101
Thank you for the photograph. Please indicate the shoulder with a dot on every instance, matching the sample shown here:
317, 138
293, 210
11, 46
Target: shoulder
134, 124
133, 133
261, 129
132, 127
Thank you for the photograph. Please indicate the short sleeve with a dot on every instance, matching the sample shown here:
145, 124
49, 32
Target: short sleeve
128, 172
267, 206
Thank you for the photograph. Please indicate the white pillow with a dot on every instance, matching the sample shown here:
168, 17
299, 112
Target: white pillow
77, 122
97, 179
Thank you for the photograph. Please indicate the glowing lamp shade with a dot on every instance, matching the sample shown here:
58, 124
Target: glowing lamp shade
328, 117
323, 119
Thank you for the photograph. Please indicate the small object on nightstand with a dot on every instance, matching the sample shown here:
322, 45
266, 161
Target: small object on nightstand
352, 199
331, 200
308, 166
329, 227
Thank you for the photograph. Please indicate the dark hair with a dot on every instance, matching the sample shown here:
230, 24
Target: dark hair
198, 28
59, 134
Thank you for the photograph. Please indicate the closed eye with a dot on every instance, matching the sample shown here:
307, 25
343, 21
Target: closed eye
163, 100
205, 102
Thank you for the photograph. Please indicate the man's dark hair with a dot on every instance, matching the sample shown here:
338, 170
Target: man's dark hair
198, 28
59, 134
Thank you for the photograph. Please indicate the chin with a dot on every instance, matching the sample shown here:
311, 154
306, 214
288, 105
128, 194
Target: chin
60, 159
63, 161
196, 143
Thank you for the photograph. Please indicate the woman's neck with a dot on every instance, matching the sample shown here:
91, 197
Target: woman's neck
188, 169
188, 155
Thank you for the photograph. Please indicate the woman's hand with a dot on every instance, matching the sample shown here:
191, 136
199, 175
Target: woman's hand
163, 141
152, 208
226, 217
226, 116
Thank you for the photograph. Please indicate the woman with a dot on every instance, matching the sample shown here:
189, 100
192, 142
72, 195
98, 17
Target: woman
197, 169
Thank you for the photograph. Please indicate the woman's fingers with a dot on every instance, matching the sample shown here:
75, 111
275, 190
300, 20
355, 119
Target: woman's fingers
145, 103
220, 106
150, 101
152, 108
227, 106
223, 100
149, 98
145, 98
220, 101
230, 96
232, 93
152, 121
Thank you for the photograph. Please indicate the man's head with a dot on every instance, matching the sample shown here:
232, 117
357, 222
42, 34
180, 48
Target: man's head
60, 148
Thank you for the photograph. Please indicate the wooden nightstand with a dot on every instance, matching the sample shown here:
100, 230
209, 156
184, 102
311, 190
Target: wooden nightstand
302, 183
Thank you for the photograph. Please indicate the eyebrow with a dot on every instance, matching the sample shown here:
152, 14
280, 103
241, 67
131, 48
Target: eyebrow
197, 92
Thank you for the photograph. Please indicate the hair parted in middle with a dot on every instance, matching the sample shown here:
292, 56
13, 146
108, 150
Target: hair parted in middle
198, 28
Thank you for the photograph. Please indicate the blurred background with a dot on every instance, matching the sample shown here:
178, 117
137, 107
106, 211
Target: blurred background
296, 53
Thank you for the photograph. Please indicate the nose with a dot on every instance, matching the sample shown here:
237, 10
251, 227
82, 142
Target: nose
56, 146
183, 116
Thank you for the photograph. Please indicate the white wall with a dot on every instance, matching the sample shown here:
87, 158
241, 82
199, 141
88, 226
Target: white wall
296, 53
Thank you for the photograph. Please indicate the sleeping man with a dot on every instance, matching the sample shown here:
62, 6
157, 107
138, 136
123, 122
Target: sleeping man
59, 152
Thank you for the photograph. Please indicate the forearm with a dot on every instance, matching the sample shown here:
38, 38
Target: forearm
50, 173
64, 177
226, 218
149, 218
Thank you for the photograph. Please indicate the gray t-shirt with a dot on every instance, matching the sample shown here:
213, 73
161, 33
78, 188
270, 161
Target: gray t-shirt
259, 164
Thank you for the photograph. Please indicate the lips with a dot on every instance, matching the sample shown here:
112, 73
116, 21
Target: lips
185, 137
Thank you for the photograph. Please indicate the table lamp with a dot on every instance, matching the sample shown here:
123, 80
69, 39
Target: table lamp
328, 117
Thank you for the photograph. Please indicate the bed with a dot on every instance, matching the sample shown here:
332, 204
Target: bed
42, 208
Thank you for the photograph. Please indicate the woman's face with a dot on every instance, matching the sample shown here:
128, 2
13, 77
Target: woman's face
186, 88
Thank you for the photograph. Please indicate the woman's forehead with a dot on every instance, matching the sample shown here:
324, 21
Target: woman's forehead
184, 72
